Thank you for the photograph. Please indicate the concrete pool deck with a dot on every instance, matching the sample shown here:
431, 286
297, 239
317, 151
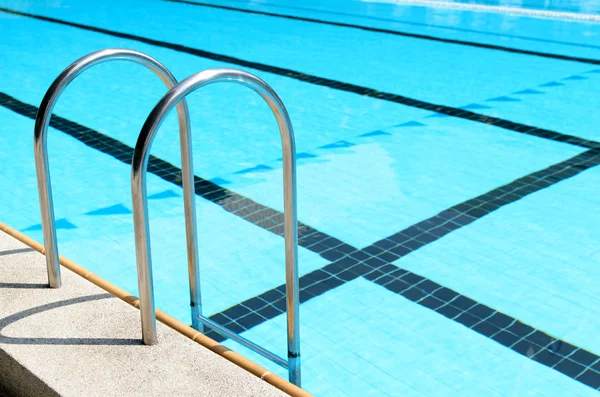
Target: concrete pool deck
81, 340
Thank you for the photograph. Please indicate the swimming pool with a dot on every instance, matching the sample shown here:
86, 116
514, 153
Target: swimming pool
446, 172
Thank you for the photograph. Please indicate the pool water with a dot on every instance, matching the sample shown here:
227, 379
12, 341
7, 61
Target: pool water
447, 180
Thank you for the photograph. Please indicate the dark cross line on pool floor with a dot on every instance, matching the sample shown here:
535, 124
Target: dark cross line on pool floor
393, 32
374, 262
333, 84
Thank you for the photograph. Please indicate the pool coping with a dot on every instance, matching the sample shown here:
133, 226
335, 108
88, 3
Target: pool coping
185, 330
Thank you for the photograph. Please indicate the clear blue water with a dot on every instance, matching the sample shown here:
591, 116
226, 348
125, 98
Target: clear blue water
369, 169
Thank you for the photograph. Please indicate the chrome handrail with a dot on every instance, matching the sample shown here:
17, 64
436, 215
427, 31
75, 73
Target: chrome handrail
140, 210
43, 172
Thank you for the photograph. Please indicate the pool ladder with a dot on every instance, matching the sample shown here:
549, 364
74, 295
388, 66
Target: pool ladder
175, 97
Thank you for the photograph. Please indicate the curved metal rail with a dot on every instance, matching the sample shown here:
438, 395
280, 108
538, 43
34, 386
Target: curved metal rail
140, 210
43, 171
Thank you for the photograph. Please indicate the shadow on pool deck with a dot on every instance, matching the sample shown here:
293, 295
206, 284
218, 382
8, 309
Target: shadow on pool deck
4, 322
15, 251
80, 340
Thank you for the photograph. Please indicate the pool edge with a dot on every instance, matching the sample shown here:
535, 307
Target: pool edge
223, 351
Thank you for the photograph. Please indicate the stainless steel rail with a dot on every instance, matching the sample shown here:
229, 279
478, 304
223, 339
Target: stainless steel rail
140, 210
43, 171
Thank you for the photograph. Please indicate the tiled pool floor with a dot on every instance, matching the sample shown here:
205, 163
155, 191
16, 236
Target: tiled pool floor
447, 226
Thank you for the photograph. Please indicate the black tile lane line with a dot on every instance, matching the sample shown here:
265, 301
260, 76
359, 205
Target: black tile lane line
328, 247
392, 32
374, 262
333, 84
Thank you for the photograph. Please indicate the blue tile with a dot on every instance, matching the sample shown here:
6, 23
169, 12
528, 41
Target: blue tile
117, 209
338, 144
475, 106
33, 227
503, 99
220, 181
258, 168
576, 77
528, 92
375, 133
411, 124
437, 115
60, 224
305, 155
163, 195
64, 224
551, 84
